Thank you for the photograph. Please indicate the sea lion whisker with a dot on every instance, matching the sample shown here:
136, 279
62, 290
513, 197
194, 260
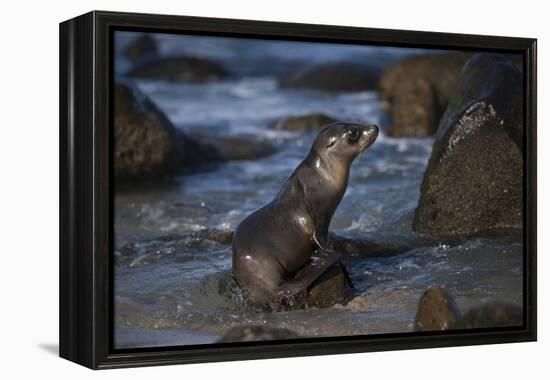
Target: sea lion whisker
321, 247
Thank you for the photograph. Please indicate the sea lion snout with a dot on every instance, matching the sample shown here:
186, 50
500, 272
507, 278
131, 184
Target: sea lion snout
369, 133
370, 130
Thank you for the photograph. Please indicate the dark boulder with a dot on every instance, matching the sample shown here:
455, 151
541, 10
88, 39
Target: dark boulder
146, 143
357, 246
235, 147
222, 237
473, 181
416, 90
141, 47
437, 311
179, 69
330, 288
314, 121
334, 77
492, 315
364, 246
256, 333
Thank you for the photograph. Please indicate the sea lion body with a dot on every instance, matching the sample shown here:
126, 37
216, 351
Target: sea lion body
274, 242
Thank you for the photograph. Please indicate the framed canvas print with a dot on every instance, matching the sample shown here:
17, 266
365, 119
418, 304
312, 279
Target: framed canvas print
237, 189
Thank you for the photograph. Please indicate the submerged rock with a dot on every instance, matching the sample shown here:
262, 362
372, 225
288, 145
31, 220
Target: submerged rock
332, 287
146, 143
437, 311
179, 69
255, 333
236, 148
474, 177
360, 247
378, 245
493, 315
222, 237
141, 47
312, 121
416, 90
334, 77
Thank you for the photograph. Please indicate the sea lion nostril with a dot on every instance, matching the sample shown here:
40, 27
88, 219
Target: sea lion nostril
371, 130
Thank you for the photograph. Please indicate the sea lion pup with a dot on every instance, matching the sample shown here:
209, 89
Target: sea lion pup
274, 242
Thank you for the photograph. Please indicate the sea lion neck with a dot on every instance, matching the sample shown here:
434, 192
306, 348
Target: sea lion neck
332, 169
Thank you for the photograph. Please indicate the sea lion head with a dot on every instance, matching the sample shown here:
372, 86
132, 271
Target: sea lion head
344, 141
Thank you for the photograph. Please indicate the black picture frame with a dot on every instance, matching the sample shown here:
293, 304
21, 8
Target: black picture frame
86, 183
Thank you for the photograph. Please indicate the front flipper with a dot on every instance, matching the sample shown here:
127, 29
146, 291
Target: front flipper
292, 292
323, 248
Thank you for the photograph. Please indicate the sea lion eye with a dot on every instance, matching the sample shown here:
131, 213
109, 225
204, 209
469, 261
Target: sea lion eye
353, 135
331, 141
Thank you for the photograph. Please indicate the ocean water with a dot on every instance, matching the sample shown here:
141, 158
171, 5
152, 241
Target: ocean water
173, 286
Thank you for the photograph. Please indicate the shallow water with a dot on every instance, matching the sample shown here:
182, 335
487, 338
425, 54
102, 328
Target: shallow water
173, 286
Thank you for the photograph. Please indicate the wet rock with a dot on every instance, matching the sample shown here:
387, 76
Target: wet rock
235, 147
437, 311
492, 315
333, 77
222, 237
416, 90
179, 69
146, 143
474, 177
312, 121
256, 333
141, 47
332, 287
360, 247
377, 245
